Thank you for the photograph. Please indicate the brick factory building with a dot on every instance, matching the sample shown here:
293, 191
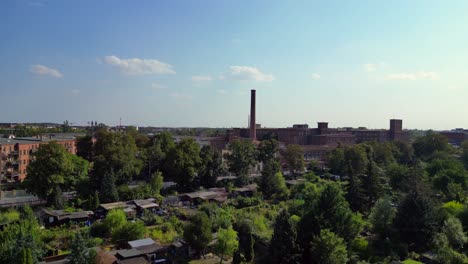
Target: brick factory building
17, 153
320, 140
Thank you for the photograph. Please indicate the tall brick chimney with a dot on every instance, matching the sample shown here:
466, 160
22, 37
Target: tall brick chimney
253, 124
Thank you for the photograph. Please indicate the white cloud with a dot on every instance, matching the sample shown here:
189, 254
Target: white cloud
315, 76
136, 66
201, 78
420, 75
181, 96
44, 70
158, 86
247, 73
370, 67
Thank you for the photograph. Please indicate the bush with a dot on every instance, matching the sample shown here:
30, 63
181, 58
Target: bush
99, 229
453, 208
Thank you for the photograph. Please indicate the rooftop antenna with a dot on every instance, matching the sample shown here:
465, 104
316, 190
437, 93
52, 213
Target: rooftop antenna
120, 122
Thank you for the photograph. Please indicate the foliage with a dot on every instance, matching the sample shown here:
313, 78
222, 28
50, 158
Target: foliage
21, 240
428, 145
116, 153
241, 158
211, 166
328, 248
108, 192
156, 183
128, 232
115, 220
454, 231
79, 252
84, 147
294, 156
198, 232
52, 170
227, 242
267, 150
382, 216
454, 208
283, 247
246, 240
182, 163
9, 216
415, 219
272, 182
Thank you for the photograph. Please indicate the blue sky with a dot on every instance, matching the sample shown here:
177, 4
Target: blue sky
193, 63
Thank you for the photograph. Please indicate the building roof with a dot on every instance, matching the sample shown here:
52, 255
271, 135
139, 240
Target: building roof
110, 206
150, 249
127, 253
145, 204
141, 242
60, 214
138, 260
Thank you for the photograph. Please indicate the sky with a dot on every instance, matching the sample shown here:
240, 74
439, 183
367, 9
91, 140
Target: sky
193, 63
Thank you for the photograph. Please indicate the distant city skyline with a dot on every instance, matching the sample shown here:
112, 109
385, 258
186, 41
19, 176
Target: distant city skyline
193, 63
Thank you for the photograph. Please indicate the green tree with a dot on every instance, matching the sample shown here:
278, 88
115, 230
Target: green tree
115, 220
52, 170
453, 229
465, 153
294, 156
183, 162
415, 219
328, 248
128, 232
356, 157
337, 162
267, 150
227, 242
115, 152
354, 191
246, 239
428, 145
283, 247
84, 147
397, 174
240, 159
108, 191
403, 152
371, 181
272, 182
93, 201
156, 182
21, 241
198, 232
211, 166
329, 210
382, 216
79, 251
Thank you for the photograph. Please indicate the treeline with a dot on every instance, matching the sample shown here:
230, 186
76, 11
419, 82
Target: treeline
107, 162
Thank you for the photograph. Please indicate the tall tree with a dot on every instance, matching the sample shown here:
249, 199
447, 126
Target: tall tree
328, 248
240, 159
183, 162
211, 166
84, 147
79, 251
117, 152
426, 146
198, 232
52, 170
272, 182
283, 247
415, 219
371, 181
227, 243
465, 153
108, 192
294, 156
337, 162
246, 240
156, 182
382, 216
267, 150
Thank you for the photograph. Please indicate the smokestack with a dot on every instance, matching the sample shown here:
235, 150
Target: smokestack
253, 124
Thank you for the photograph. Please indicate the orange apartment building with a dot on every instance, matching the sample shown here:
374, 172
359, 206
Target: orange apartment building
17, 153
